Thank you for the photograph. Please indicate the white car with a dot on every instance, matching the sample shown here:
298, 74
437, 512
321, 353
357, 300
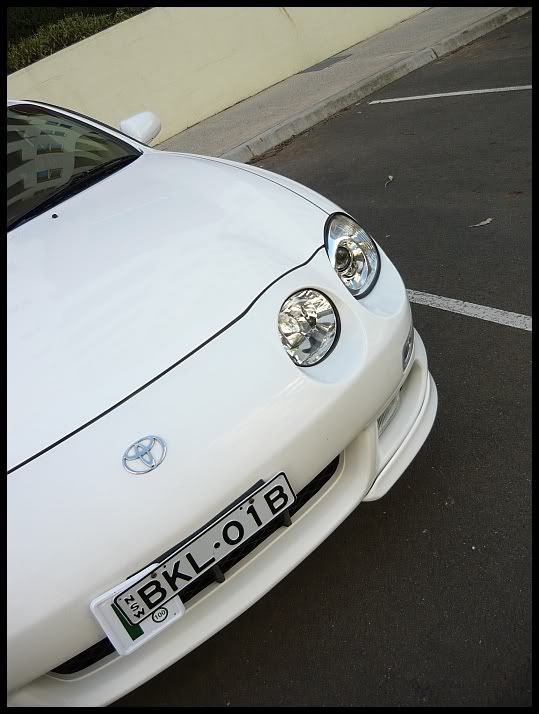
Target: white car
209, 367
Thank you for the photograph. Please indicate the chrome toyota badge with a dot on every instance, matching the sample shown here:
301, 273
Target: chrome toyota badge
144, 455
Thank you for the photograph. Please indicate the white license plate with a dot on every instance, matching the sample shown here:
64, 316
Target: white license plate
139, 608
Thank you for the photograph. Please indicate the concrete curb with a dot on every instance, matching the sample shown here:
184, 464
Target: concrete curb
298, 123
478, 29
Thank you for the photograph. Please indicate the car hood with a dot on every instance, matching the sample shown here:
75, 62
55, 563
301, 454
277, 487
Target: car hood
135, 273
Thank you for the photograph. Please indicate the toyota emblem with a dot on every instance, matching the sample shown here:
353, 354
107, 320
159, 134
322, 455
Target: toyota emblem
144, 455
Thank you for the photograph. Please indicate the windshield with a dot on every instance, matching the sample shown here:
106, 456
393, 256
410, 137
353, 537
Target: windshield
51, 156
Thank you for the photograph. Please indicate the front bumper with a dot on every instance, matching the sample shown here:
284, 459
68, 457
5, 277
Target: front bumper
335, 413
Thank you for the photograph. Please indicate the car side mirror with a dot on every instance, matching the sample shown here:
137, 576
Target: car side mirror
143, 126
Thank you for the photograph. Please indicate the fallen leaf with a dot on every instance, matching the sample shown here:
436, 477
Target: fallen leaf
389, 180
483, 223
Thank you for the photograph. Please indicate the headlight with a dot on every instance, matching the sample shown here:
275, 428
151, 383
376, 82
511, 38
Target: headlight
353, 254
308, 327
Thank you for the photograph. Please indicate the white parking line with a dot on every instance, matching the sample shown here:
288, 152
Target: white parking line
513, 319
452, 94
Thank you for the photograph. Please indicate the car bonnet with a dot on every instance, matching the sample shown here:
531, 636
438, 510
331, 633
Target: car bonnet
134, 274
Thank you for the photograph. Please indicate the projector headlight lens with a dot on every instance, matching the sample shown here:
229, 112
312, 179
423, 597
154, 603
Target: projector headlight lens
308, 327
353, 254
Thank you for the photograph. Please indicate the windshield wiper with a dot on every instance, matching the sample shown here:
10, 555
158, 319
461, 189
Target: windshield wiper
74, 186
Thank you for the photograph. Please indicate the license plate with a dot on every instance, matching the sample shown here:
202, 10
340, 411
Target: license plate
139, 608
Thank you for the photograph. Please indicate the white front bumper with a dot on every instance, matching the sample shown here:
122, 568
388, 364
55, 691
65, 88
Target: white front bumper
297, 421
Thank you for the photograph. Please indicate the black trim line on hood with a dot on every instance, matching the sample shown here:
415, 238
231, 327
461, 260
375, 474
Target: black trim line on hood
168, 369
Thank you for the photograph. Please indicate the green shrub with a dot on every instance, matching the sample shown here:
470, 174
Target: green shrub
37, 32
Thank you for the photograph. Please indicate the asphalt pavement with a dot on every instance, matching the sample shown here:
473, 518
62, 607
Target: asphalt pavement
423, 597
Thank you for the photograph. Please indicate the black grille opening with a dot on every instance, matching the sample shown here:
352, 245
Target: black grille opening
85, 659
103, 648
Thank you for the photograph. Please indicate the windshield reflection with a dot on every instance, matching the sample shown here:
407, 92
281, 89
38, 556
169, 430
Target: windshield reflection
46, 151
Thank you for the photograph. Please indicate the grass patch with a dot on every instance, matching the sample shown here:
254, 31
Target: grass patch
37, 32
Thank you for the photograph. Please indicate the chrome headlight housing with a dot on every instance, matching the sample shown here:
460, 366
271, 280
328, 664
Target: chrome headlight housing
308, 326
352, 253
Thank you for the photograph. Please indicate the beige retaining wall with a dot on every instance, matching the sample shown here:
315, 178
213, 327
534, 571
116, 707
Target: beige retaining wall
188, 63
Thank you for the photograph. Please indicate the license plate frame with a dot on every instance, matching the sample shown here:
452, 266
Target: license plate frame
131, 614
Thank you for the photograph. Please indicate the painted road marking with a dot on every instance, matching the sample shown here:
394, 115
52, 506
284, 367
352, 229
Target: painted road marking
513, 319
453, 94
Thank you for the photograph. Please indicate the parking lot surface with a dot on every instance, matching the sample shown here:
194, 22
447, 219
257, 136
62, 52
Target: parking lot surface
424, 597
